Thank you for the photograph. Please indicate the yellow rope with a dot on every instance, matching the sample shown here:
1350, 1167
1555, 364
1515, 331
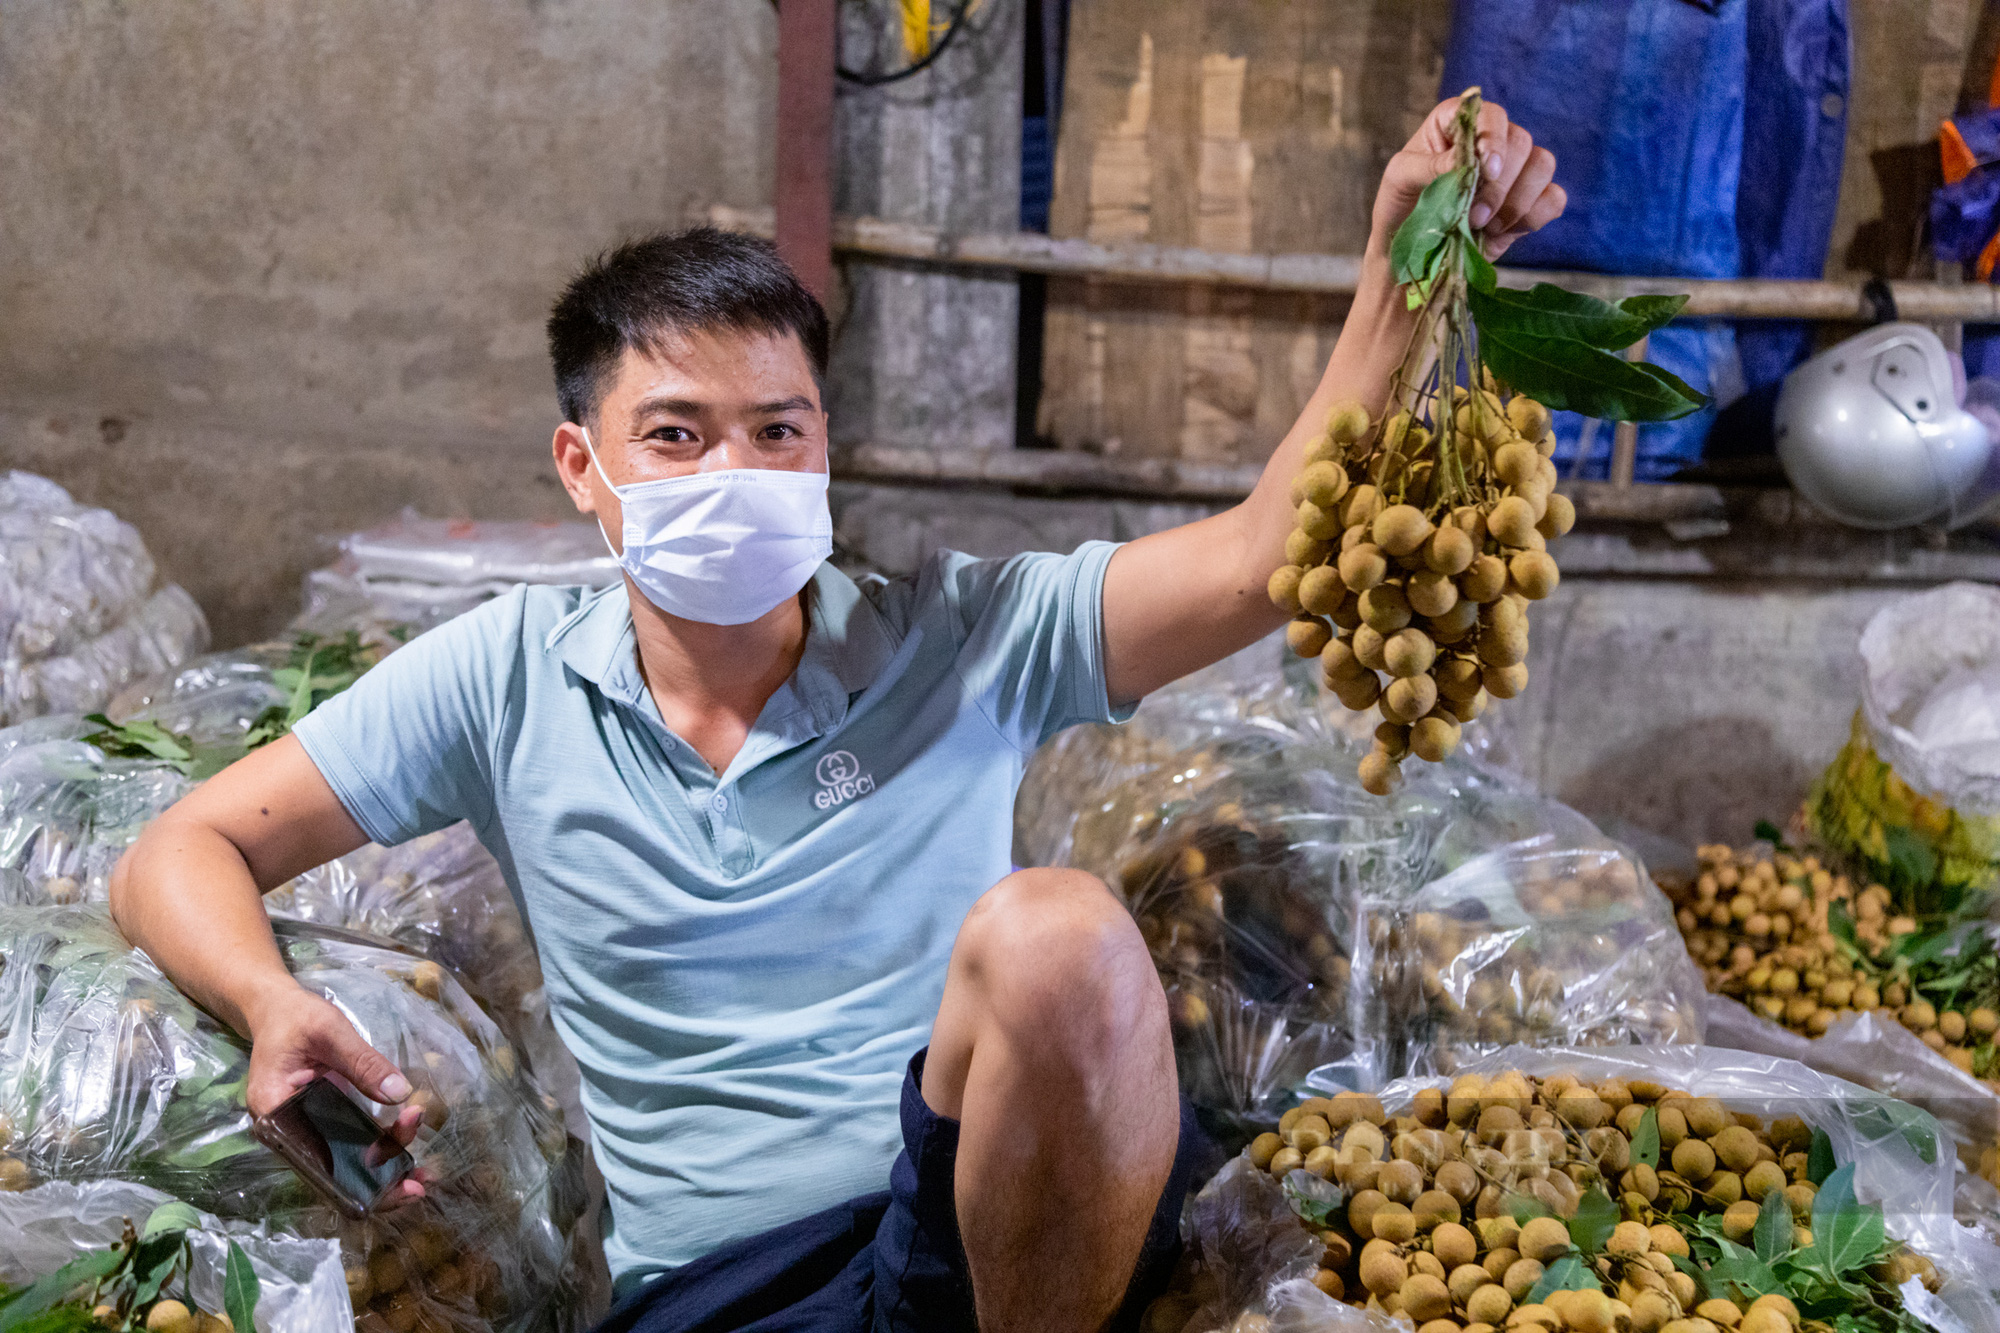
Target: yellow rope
917, 28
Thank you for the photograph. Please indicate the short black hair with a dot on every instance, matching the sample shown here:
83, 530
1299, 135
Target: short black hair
674, 283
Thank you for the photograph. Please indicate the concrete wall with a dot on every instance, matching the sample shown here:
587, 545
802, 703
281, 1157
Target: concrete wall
273, 270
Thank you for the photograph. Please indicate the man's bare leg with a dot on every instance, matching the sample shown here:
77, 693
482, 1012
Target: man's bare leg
1052, 1051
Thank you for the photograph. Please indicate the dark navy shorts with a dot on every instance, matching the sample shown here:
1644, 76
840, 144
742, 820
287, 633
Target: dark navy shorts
889, 1261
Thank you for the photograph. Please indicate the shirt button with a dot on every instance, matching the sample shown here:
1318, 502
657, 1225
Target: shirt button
719, 802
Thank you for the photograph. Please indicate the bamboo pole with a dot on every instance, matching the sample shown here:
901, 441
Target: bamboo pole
1337, 275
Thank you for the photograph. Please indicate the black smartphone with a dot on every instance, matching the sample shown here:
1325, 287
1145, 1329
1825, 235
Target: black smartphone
330, 1138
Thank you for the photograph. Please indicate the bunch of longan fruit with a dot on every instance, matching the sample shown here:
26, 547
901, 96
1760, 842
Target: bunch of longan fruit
1429, 1228
1418, 568
1759, 926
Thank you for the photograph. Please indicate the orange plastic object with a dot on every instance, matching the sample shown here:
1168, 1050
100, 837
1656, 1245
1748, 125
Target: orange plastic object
1957, 159
1988, 258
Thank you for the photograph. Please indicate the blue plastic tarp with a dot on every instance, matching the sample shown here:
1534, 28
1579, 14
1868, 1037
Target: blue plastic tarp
1697, 140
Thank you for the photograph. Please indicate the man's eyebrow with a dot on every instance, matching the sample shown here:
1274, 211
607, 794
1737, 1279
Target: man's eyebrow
688, 407
684, 407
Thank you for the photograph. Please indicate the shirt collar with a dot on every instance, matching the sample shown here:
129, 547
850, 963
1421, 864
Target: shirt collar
847, 645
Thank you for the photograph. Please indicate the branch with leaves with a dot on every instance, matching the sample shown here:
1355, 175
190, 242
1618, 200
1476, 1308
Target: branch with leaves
1423, 536
141, 1282
319, 669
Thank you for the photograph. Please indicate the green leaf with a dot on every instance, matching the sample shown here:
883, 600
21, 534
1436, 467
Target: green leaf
1646, 1140
1568, 375
1568, 1273
1774, 1228
1473, 263
240, 1290
1766, 831
1442, 206
1882, 1117
1840, 923
61, 1319
173, 1215
78, 1272
1524, 1208
1596, 1218
1315, 1200
1913, 863
1548, 311
137, 740
154, 1263
1848, 1236
1742, 1269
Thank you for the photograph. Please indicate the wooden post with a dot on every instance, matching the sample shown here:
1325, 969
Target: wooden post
1625, 437
804, 188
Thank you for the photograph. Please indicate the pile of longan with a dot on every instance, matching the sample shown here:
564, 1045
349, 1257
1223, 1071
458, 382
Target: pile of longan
1759, 927
1424, 580
1427, 1231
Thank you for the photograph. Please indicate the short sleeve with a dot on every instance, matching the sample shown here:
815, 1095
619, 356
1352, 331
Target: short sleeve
408, 747
1032, 655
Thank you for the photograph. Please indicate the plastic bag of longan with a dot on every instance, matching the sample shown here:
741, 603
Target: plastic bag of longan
1244, 898
1543, 931
1243, 1237
1901, 1155
443, 895
1092, 790
1540, 943
490, 1244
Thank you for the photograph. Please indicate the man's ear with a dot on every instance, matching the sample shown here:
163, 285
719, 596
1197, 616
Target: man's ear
573, 467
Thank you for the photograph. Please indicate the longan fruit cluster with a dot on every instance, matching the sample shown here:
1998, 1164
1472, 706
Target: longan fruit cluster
1427, 1232
1395, 573
1760, 929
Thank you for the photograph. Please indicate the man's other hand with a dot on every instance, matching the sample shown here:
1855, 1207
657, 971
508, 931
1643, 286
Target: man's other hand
298, 1037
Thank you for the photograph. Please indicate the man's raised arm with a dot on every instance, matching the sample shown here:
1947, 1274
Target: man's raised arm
190, 893
1178, 600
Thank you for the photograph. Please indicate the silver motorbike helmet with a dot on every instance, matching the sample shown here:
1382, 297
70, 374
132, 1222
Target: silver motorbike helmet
1871, 430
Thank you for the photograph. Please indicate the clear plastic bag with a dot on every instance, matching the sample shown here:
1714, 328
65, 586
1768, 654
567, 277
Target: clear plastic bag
1877, 1052
1899, 1154
1247, 900
1296, 920
108, 1072
301, 1287
1902, 1157
1553, 935
1227, 818
1919, 780
79, 614
475, 552
212, 699
444, 895
164, 631
420, 572
68, 573
68, 812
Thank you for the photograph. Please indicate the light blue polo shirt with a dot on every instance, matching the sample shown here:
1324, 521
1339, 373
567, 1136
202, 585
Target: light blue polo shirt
743, 964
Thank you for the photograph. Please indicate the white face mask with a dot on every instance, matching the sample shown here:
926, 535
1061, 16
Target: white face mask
722, 547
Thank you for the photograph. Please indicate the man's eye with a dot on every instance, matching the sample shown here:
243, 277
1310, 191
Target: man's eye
670, 434
780, 430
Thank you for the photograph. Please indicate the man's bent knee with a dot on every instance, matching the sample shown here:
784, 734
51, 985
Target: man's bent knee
1056, 946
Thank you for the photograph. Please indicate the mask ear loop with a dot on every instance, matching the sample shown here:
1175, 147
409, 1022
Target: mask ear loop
588, 448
